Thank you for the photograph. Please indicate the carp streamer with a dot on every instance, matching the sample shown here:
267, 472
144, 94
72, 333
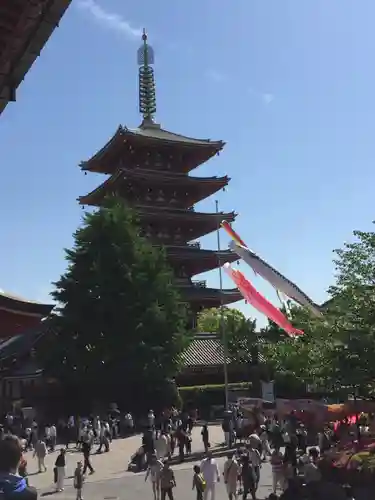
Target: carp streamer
269, 273
259, 302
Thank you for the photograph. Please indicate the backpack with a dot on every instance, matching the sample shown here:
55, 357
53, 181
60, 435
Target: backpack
201, 483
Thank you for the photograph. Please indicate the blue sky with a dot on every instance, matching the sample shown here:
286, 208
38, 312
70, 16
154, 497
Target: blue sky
289, 85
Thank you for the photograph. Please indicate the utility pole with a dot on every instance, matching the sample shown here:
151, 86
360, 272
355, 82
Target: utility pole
223, 334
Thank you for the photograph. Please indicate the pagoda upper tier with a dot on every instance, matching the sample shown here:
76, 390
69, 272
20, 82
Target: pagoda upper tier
192, 259
200, 297
152, 148
148, 169
175, 226
155, 187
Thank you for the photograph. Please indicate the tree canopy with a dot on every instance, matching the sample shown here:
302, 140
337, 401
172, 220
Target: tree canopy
352, 309
337, 350
121, 324
240, 331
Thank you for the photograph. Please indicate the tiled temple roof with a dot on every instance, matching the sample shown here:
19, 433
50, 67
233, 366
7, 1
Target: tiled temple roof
20, 345
206, 350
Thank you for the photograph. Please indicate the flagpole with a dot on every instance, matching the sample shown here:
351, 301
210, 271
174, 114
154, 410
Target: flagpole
223, 335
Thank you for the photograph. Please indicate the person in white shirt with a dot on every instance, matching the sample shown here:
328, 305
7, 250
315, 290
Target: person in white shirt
161, 446
53, 436
266, 450
153, 472
47, 435
211, 475
151, 418
256, 461
231, 472
255, 441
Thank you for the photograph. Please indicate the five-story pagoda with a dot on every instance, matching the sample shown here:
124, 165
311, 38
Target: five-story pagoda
149, 168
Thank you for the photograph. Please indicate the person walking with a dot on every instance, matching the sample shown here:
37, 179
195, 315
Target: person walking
153, 472
205, 438
167, 482
52, 437
86, 448
231, 473
248, 478
211, 475
199, 484
78, 480
60, 470
277, 464
40, 451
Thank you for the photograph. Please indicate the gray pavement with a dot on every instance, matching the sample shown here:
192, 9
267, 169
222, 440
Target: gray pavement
133, 486
111, 480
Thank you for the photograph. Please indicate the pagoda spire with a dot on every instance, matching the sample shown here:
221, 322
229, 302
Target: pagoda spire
147, 94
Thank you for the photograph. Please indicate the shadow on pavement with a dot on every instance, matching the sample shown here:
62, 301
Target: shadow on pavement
217, 452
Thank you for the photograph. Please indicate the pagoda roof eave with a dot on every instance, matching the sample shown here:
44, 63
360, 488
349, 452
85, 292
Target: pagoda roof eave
152, 175
179, 251
40, 23
199, 261
18, 305
154, 134
181, 213
211, 295
20, 344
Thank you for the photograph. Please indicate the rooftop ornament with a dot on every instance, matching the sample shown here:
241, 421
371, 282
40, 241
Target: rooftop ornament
147, 93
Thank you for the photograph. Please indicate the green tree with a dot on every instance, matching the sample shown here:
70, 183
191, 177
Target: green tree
352, 308
303, 360
209, 320
337, 350
240, 331
121, 325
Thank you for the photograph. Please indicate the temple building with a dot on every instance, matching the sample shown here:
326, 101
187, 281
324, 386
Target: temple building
18, 316
150, 168
22, 325
25, 27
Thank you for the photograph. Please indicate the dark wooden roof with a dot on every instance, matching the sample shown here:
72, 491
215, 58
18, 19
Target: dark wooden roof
201, 223
145, 136
25, 27
20, 345
28, 370
19, 305
197, 260
195, 252
199, 187
211, 297
206, 350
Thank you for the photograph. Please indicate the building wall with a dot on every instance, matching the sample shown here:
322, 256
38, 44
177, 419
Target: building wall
14, 323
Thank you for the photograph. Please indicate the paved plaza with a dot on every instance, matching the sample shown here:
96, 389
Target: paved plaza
111, 480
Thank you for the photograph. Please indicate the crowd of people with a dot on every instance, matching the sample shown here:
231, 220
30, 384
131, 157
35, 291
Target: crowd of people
167, 439
284, 443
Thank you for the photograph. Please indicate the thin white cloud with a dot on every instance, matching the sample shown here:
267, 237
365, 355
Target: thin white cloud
111, 20
268, 98
215, 75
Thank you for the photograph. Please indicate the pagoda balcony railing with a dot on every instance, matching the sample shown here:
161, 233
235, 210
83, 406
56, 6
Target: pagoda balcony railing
194, 244
199, 284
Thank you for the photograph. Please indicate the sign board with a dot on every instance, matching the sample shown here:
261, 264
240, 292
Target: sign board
268, 391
